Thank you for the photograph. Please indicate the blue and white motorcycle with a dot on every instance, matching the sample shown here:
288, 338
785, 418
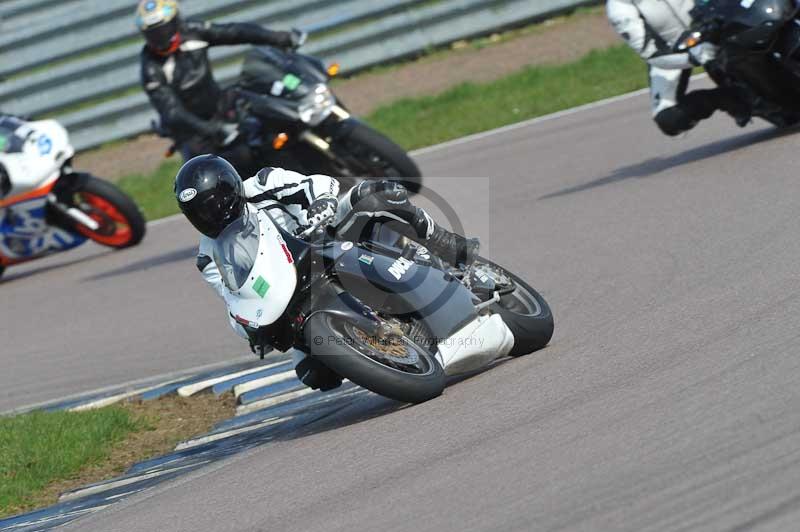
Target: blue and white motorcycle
47, 207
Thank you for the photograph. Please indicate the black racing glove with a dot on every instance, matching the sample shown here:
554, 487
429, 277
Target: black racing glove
297, 38
222, 133
322, 211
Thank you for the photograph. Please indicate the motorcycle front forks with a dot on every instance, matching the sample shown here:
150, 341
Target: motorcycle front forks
73, 213
318, 142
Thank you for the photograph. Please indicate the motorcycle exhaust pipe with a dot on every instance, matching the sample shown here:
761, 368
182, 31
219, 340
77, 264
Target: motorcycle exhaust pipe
74, 214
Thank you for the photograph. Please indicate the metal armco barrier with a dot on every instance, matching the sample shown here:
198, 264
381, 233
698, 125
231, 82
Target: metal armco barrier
78, 60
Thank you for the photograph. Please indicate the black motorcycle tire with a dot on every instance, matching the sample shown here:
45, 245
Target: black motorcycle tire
402, 166
120, 208
784, 120
344, 357
532, 328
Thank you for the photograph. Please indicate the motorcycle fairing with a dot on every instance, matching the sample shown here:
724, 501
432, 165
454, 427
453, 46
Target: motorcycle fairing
280, 87
265, 66
34, 155
789, 46
266, 292
748, 24
403, 287
759, 41
25, 233
272, 107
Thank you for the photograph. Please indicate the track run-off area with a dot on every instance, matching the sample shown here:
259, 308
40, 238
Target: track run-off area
669, 398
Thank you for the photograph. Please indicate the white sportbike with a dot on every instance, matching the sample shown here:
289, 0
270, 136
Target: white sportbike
46, 206
382, 312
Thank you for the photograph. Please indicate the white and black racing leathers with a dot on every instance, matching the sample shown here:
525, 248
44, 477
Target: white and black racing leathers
289, 196
294, 200
652, 28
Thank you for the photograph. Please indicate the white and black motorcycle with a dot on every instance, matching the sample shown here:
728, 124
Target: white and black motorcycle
46, 206
391, 318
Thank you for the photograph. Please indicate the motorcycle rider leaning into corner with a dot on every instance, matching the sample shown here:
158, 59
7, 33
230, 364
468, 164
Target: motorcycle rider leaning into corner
217, 197
652, 28
177, 76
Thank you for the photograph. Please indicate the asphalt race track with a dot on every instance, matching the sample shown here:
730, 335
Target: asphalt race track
668, 399
93, 318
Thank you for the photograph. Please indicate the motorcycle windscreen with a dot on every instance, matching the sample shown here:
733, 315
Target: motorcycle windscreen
288, 75
262, 67
10, 139
257, 268
236, 249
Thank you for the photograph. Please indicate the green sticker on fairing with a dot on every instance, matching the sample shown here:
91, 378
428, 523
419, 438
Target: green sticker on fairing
261, 287
291, 82
3, 143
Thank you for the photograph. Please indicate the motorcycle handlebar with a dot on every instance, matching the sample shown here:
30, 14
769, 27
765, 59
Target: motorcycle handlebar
304, 230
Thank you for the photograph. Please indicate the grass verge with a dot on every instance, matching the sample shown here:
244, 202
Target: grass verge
535, 91
47, 453
463, 110
43, 447
153, 192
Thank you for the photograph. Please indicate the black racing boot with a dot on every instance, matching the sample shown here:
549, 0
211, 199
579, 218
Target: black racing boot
453, 248
701, 104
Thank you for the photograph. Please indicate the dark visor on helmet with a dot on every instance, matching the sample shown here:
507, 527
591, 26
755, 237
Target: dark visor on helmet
162, 37
213, 211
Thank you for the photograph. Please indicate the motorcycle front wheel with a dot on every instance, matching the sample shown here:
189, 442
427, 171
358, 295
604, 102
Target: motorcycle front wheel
121, 223
400, 369
376, 156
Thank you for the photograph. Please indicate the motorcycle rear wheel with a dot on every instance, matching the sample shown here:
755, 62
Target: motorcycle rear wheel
122, 225
785, 120
401, 370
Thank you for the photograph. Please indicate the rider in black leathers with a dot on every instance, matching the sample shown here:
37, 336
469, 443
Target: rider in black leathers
177, 76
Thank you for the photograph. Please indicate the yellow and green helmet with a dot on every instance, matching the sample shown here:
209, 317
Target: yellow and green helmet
159, 22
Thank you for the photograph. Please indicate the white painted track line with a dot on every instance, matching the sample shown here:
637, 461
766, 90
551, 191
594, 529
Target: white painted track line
189, 444
191, 389
107, 401
99, 488
161, 380
273, 401
279, 399
255, 384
